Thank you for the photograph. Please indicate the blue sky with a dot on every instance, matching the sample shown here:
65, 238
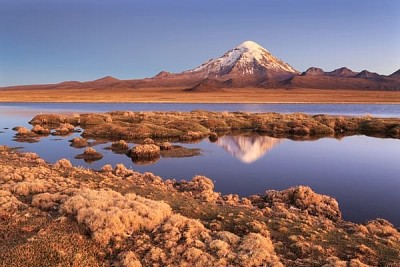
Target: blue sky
54, 40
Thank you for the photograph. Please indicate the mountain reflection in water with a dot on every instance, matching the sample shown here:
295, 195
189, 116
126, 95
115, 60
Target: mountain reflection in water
248, 148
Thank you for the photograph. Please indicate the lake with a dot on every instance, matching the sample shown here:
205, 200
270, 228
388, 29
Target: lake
362, 173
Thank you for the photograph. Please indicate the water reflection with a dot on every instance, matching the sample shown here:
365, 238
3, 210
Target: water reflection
248, 148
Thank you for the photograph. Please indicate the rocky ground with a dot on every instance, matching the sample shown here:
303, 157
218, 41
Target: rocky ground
60, 215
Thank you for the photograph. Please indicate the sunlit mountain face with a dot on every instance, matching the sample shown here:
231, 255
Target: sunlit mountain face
248, 148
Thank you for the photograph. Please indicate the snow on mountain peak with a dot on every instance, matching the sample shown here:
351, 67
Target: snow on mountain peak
250, 45
252, 49
248, 58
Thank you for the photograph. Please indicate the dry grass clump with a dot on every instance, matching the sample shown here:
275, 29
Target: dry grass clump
357, 263
231, 199
321, 129
107, 168
63, 164
89, 155
129, 114
215, 124
79, 142
120, 145
121, 170
23, 131
29, 187
304, 198
9, 203
366, 254
383, 228
28, 181
64, 129
90, 151
165, 146
145, 151
256, 250
336, 262
186, 242
38, 129
48, 119
68, 126
129, 259
112, 216
180, 240
200, 187
47, 201
148, 141
32, 157
193, 135
94, 119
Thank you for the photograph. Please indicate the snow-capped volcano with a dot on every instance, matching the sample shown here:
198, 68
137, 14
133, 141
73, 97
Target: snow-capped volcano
248, 58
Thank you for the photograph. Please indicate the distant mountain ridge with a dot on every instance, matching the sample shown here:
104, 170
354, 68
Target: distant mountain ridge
246, 65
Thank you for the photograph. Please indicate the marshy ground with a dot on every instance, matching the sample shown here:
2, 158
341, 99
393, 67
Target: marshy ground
195, 125
63, 215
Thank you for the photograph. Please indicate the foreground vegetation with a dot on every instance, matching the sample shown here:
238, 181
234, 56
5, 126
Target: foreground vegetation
60, 215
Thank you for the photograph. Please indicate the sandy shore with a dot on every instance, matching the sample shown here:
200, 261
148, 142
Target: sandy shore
177, 95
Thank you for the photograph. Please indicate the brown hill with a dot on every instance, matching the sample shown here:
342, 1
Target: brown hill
395, 74
341, 72
327, 82
313, 71
210, 85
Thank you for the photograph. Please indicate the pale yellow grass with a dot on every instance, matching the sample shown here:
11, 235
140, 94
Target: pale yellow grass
232, 95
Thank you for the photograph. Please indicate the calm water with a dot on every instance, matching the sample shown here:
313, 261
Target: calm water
333, 109
362, 173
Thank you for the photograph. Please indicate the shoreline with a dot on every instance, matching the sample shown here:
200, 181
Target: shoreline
115, 216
